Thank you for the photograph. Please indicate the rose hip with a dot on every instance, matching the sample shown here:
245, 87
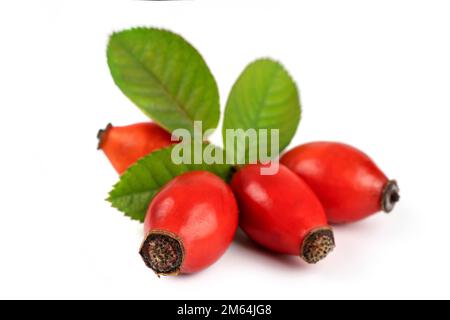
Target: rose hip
125, 145
189, 225
281, 213
348, 183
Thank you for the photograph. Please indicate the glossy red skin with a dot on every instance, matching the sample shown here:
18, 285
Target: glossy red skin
202, 211
125, 145
347, 182
277, 211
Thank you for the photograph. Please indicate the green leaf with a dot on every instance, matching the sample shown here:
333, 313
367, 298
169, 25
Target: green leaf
264, 97
165, 77
142, 181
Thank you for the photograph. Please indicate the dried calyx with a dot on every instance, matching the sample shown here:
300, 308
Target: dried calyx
163, 253
102, 134
390, 196
317, 245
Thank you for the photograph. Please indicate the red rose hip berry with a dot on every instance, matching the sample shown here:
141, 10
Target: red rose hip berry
125, 145
189, 224
281, 213
348, 183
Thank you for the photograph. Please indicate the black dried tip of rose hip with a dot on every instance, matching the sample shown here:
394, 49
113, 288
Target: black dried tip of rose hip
390, 196
162, 253
101, 135
317, 245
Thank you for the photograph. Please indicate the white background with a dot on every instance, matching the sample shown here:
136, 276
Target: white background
375, 74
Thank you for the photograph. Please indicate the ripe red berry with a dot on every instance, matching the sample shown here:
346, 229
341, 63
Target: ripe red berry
348, 183
281, 213
189, 224
125, 145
